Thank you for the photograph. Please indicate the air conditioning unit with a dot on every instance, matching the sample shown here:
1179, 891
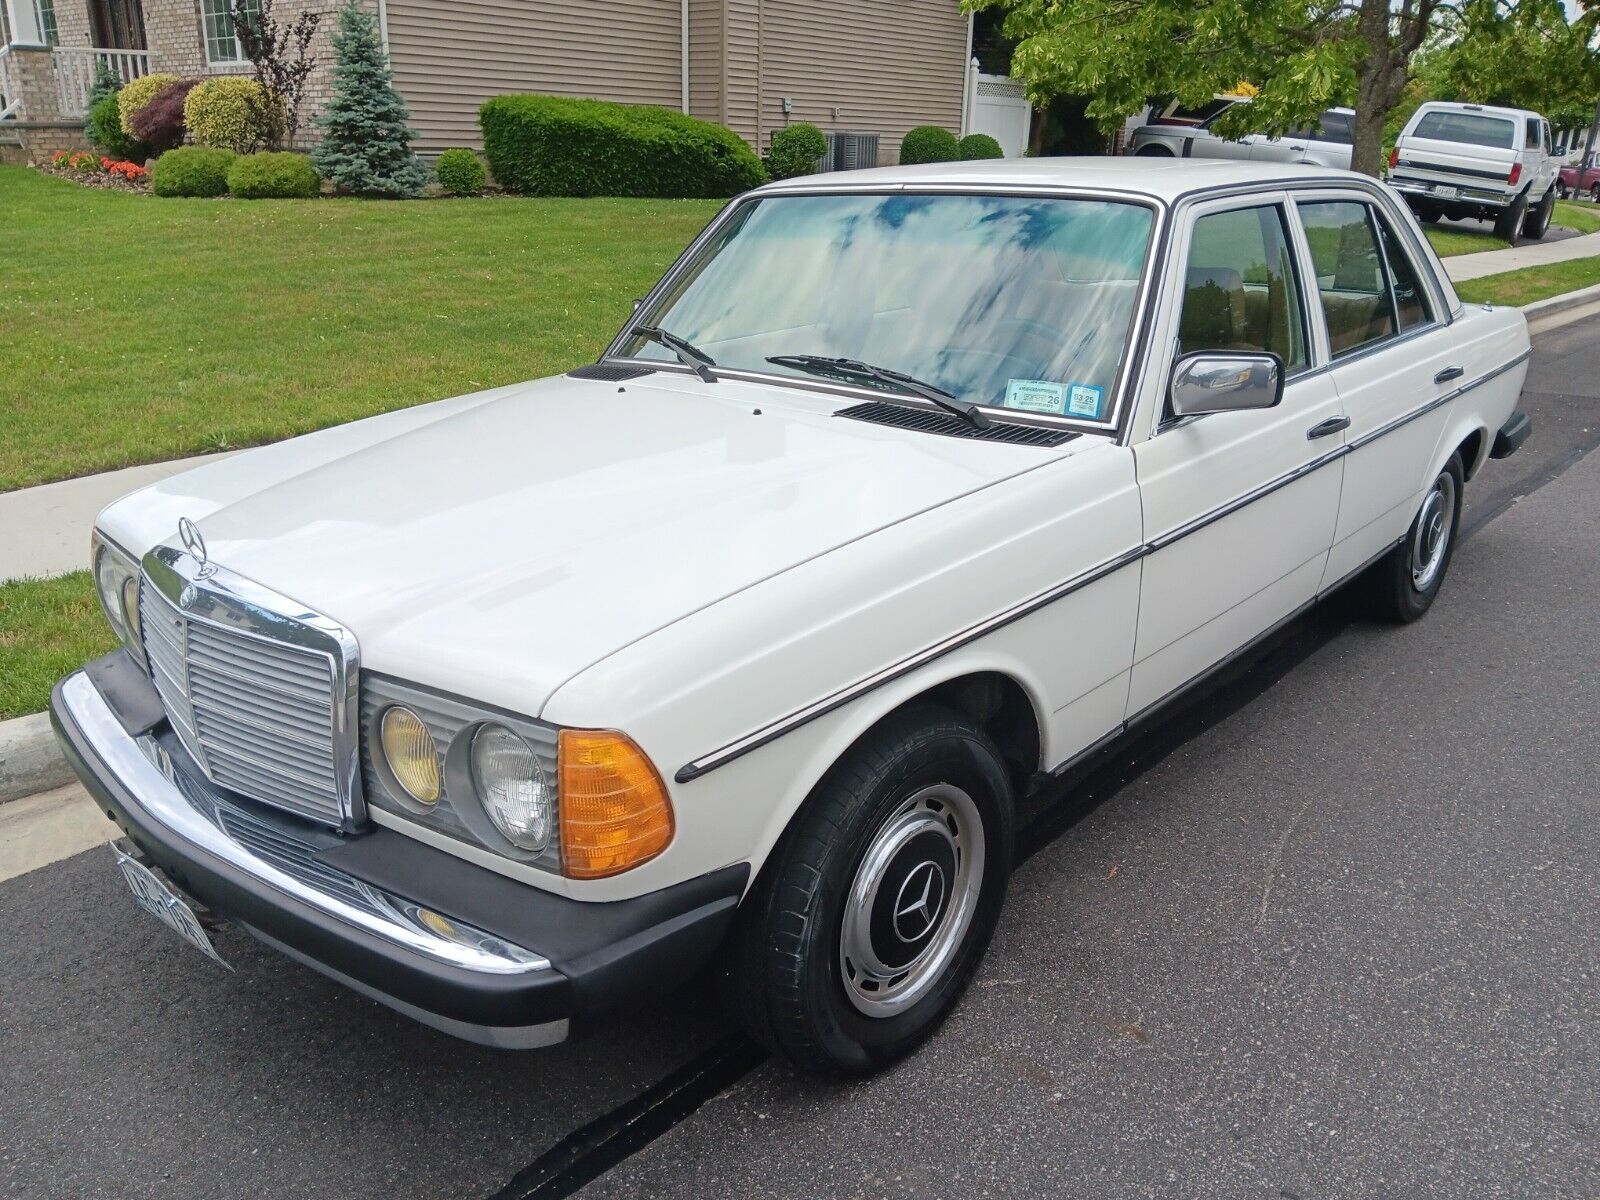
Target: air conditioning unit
848, 150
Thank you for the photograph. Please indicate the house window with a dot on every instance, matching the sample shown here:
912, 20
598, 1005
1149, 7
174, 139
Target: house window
222, 45
46, 12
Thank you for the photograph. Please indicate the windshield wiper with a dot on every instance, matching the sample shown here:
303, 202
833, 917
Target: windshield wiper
686, 351
818, 364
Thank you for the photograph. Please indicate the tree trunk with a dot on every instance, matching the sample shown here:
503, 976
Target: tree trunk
1366, 155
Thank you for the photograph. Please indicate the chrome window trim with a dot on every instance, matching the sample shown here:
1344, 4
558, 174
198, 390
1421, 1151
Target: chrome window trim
803, 716
241, 607
1121, 388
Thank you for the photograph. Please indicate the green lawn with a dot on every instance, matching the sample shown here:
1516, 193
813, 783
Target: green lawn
1585, 218
1531, 283
47, 628
1447, 241
135, 329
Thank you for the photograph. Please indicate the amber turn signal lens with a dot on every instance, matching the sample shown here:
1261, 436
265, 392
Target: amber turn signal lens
615, 813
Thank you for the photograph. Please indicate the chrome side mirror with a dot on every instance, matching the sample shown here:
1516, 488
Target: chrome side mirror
1214, 381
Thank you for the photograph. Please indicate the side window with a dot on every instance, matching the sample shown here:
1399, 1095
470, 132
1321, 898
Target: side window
1240, 290
1410, 300
1533, 135
1349, 268
1549, 143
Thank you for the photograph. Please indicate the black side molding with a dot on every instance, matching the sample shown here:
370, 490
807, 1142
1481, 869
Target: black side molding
1512, 434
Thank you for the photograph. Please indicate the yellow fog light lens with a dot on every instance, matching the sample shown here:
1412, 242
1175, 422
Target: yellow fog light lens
409, 750
615, 813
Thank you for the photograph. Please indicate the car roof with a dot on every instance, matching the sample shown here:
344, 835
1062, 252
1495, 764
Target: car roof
1157, 178
1490, 110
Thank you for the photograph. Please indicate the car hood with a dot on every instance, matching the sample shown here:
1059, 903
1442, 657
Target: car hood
498, 544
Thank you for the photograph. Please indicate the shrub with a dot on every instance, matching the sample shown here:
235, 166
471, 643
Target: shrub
226, 113
273, 174
979, 145
137, 94
555, 146
366, 146
461, 173
192, 171
929, 144
106, 83
104, 130
795, 150
159, 124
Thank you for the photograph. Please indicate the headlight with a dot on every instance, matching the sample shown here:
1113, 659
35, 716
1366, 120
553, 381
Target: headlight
512, 787
116, 581
410, 753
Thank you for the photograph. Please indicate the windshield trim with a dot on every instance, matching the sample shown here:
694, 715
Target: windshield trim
1127, 372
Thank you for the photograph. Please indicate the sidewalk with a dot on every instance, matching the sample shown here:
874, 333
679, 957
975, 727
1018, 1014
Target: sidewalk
1533, 254
44, 530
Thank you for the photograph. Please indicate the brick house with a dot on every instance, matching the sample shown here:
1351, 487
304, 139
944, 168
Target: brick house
877, 67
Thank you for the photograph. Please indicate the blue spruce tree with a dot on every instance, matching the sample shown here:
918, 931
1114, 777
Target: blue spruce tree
366, 146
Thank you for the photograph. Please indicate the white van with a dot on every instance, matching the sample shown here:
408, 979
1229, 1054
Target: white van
1472, 160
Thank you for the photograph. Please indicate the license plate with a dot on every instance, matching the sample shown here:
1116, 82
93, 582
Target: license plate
166, 906
1444, 190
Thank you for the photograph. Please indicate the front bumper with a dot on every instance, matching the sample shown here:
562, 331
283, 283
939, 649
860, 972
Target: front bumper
523, 962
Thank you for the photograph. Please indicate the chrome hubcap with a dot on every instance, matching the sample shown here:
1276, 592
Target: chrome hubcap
911, 901
1431, 538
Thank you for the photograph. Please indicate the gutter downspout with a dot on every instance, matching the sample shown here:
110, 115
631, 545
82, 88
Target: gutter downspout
966, 78
383, 28
683, 50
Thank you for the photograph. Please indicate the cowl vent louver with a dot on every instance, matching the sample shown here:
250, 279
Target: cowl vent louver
608, 372
945, 425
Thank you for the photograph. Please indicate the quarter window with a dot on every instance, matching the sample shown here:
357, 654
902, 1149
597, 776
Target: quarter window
1350, 276
1240, 290
1410, 301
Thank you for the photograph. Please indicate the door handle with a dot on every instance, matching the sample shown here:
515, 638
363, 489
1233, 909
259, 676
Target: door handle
1323, 429
1449, 373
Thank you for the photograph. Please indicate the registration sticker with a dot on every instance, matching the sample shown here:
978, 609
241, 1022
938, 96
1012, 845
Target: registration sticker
1084, 401
1036, 395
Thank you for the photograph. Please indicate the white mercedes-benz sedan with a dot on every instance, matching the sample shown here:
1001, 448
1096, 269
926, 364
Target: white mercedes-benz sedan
904, 492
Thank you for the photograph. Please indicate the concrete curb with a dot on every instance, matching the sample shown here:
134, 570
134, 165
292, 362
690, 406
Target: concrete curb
30, 758
1555, 304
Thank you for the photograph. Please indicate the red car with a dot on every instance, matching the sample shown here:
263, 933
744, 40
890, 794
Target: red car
1576, 180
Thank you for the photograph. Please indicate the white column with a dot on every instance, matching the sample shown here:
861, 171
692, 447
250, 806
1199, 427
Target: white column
23, 18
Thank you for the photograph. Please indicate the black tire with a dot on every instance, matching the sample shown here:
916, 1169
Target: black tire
1394, 588
787, 978
1594, 193
1509, 221
1537, 222
1429, 216
1153, 151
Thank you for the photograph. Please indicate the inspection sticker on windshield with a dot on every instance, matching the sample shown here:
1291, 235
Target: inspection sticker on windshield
1035, 395
1084, 401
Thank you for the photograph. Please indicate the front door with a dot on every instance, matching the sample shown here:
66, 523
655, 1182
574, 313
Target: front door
1239, 507
117, 24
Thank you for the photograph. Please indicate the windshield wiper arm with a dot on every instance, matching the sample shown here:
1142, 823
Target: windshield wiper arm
686, 351
819, 364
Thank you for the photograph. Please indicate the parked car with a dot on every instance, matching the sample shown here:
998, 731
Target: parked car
1584, 179
897, 497
1326, 145
1475, 161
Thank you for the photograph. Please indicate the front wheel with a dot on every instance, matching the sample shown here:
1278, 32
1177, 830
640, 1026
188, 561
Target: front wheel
1537, 223
1594, 193
1154, 150
1404, 583
877, 905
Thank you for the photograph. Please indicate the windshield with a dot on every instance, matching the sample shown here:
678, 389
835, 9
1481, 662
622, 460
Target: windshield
1466, 127
1013, 302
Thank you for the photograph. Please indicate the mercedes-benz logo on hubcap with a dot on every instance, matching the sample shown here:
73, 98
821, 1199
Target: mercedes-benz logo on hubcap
917, 906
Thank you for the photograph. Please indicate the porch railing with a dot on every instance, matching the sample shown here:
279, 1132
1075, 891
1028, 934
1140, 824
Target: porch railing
75, 73
10, 99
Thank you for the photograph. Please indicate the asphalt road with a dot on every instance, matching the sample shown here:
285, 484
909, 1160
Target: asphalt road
1332, 932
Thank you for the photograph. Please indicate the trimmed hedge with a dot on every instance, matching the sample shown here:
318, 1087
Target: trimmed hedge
103, 127
225, 112
979, 145
273, 175
461, 173
159, 124
138, 93
192, 171
929, 144
556, 146
795, 150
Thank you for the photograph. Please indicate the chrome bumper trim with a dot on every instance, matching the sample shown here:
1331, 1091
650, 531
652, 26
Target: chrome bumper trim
145, 769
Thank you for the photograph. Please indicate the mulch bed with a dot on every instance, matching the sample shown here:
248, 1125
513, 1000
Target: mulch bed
97, 179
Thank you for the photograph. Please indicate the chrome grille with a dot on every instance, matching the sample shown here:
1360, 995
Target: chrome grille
259, 715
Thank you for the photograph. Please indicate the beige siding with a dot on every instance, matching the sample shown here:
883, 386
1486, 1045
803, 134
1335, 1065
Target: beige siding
885, 65
705, 59
451, 55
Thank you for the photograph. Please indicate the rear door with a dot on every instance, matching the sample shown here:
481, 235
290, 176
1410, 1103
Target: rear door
1239, 507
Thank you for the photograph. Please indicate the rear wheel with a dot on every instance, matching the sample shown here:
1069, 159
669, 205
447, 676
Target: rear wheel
877, 905
1537, 223
1429, 216
1509, 222
1403, 584
1152, 151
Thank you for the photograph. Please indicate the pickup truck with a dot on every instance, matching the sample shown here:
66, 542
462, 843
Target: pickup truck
1474, 161
1578, 179
906, 493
